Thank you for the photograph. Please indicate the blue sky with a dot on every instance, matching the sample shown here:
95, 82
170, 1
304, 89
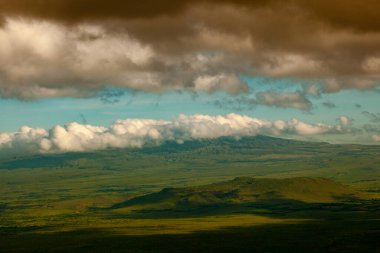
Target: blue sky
300, 65
46, 113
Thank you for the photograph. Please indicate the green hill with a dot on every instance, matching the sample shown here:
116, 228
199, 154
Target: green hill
247, 190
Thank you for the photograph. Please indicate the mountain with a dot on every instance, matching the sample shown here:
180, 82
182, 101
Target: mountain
258, 143
247, 190
196, 162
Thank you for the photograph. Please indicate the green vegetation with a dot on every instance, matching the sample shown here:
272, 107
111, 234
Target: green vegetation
286, 196
247, 190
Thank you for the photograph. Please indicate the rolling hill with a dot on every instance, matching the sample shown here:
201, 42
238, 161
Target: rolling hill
247, 190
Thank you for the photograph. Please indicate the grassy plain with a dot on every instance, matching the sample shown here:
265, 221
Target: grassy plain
89, 202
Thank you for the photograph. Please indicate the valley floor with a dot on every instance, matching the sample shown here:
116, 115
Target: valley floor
112, 201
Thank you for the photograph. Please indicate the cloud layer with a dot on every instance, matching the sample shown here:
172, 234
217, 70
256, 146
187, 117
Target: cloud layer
280, 99
137, 133
295, 100
75, 48
340, 13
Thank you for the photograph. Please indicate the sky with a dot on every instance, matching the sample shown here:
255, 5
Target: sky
72, 71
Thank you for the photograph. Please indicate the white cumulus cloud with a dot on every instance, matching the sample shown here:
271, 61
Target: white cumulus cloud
136, 133
44, 59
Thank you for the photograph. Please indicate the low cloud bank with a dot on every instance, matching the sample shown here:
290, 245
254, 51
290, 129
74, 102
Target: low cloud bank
136, 133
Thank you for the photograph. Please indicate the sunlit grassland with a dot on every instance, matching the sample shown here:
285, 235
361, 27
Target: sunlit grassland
66, 193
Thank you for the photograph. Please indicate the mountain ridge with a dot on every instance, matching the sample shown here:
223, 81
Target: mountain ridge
247, 190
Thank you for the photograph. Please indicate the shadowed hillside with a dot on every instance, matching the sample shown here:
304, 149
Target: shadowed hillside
247, 190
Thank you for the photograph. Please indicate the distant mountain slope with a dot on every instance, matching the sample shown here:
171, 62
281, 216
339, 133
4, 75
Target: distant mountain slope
247, 190
206, 161
210, 146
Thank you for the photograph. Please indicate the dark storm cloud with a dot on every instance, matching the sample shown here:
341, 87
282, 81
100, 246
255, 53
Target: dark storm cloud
53, 48
358, 15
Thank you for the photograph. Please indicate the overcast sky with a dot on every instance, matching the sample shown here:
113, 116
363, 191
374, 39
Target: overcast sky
98, 62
